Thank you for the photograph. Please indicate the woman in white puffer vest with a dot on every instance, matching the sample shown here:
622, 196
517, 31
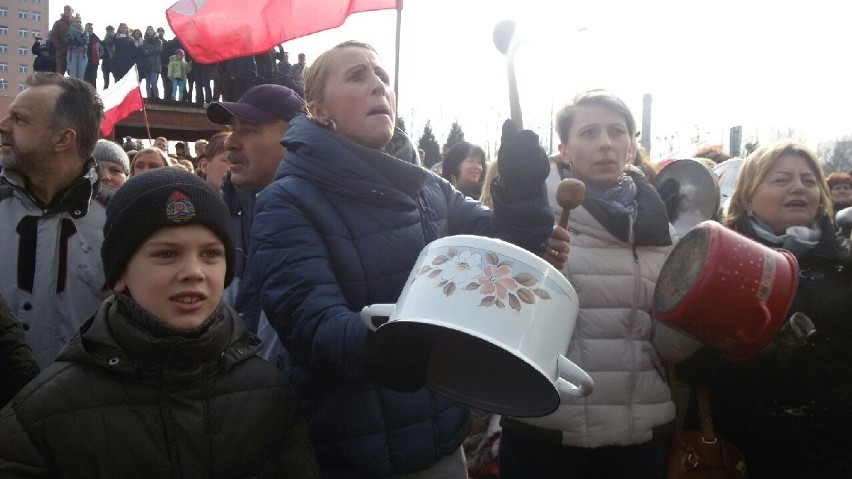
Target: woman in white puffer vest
620, 238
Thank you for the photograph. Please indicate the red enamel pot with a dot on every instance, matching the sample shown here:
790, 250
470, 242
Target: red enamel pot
727, 291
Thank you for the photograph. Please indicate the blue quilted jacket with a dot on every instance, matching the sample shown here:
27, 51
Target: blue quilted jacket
341, 228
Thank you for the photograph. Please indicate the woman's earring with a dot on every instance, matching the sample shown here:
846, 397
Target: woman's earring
328, 124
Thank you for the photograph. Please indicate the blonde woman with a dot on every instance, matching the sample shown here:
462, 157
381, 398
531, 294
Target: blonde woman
149, 159
790, 416
355, 219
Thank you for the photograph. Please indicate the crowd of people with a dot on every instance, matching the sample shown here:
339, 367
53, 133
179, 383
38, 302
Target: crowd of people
74, 48
200, 315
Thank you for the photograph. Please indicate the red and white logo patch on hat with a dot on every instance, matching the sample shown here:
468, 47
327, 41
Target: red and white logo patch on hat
179, 208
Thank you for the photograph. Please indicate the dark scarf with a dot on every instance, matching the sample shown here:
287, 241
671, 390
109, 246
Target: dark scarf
614, 209
619, 197
405, 176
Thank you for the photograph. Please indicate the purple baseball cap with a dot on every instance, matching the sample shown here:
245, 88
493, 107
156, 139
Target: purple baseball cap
260, 104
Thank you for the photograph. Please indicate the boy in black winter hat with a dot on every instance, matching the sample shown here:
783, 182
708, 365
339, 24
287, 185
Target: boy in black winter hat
163, 380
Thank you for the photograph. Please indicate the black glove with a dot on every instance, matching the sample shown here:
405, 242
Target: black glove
399, 361
521, 162
669, 192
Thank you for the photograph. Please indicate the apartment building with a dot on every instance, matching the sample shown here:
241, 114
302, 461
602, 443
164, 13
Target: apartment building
20, 22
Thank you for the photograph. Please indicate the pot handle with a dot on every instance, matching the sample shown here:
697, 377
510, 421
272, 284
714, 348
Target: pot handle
572, 382
376, 313
767, 319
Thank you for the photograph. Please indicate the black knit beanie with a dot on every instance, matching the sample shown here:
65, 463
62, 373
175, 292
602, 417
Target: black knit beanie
155, 199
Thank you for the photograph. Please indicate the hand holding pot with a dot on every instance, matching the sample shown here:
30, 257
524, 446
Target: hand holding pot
669, 192
490, 322
399, 362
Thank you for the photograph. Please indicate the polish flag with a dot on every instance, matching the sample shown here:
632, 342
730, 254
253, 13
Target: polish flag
216, 30
121, 100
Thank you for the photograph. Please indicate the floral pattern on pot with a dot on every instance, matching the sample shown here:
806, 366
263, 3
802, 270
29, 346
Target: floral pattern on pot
485, 274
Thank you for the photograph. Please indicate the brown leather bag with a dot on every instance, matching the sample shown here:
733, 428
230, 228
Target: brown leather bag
702, 454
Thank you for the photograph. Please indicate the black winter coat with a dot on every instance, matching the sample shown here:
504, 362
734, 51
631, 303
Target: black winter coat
149, 55
124, 55
44, 63
17, 364
792, 417
130, 397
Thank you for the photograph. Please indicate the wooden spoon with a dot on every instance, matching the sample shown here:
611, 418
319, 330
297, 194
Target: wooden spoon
570, 194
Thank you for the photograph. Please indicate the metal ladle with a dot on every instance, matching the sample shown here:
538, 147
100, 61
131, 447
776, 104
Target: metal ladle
506, 40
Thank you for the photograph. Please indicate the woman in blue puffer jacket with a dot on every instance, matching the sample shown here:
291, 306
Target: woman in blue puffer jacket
341, 228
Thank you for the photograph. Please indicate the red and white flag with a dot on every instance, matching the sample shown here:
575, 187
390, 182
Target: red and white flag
216, 30
121, 100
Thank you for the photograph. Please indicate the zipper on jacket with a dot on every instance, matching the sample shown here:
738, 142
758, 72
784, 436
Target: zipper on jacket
424, 211
637, 283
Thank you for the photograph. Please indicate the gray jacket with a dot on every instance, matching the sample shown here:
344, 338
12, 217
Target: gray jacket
50, 256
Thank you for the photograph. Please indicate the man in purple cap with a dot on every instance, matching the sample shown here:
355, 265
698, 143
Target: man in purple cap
258, 120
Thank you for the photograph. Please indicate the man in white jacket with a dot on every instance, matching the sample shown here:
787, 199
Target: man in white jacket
51, 211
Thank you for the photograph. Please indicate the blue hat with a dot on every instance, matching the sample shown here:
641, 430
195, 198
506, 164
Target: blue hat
261, 104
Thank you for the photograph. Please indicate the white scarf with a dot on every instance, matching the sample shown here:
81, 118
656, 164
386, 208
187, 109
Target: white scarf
797, 239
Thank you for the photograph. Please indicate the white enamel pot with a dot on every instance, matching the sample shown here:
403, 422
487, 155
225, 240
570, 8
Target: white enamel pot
500, 320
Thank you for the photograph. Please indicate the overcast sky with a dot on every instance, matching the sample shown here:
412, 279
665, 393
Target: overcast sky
709, 65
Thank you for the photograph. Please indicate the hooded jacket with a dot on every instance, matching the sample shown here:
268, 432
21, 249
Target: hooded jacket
129, 397
178, 68
50, 256
341, 228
